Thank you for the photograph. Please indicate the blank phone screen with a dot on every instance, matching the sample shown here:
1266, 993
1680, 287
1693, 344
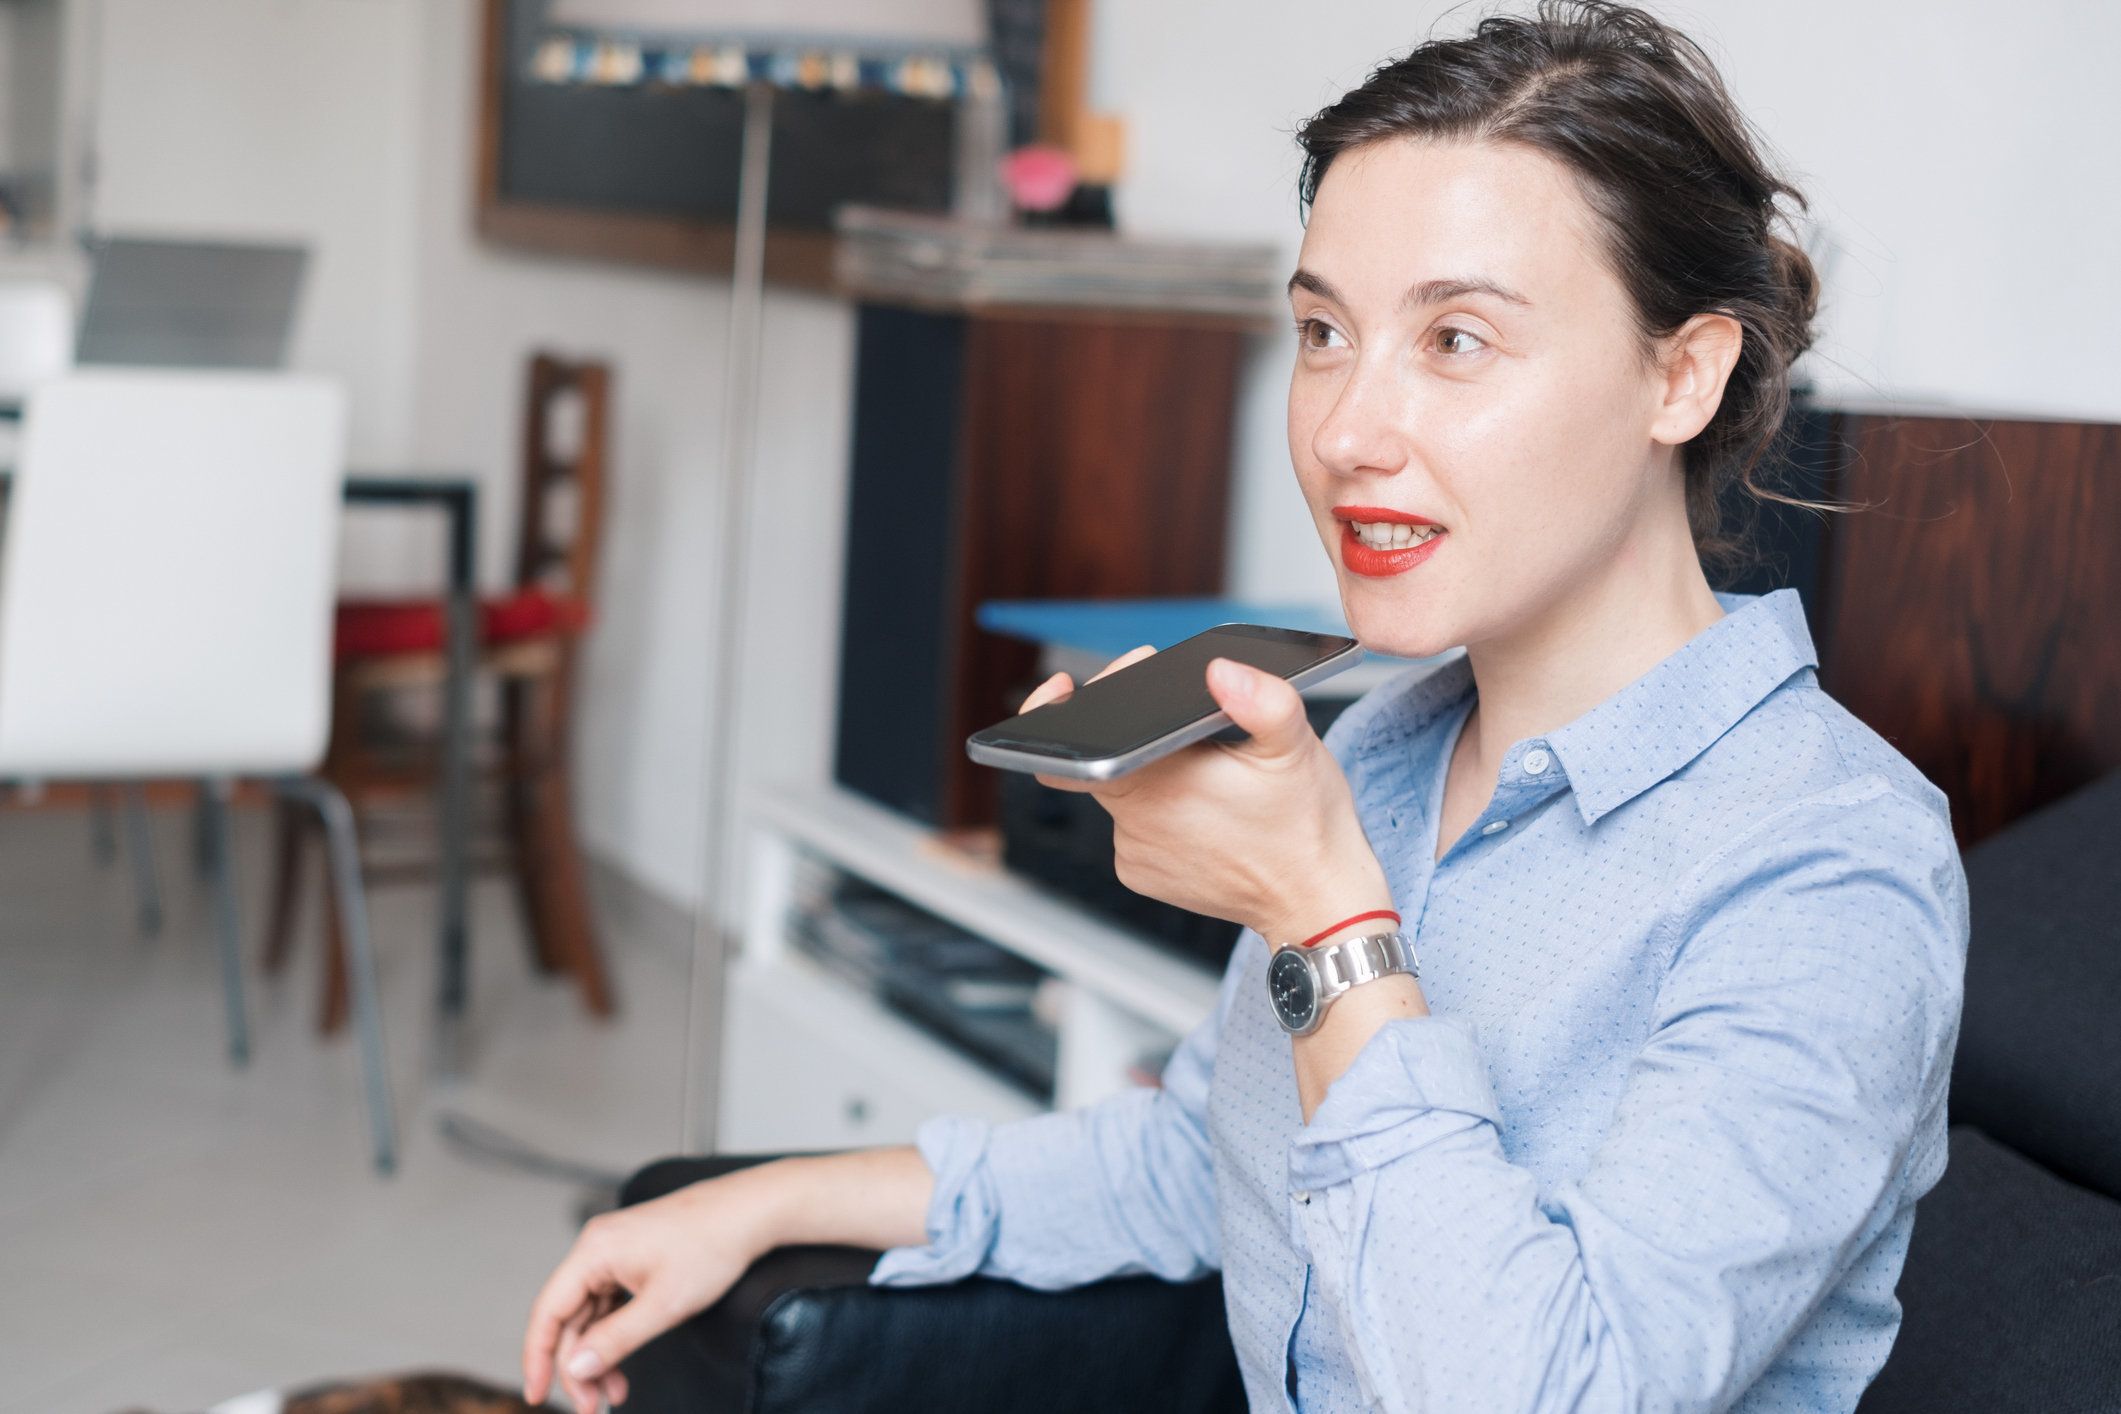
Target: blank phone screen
1157, 696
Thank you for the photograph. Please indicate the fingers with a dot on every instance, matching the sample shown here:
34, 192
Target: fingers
1059, 686
610, 1387
1066, 783
1051, 690
614, 1336
564, 1295
582, 1393
1127, 659
1266, 706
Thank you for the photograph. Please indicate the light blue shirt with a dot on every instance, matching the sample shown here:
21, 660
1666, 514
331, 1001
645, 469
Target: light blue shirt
1695, 975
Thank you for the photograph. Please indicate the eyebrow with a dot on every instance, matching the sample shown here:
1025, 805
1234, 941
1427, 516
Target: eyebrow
1426, 293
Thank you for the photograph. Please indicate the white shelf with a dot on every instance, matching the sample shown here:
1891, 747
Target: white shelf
815, 1063
1119, 966
811, 1060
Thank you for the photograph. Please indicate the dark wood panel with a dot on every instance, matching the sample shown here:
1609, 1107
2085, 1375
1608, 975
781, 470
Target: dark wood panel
1972, 607
1096, 462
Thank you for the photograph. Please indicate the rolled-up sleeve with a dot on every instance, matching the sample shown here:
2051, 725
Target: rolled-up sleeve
1125, 1186
1765, 1137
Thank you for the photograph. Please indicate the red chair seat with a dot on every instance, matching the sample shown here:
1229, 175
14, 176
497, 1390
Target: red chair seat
379, 628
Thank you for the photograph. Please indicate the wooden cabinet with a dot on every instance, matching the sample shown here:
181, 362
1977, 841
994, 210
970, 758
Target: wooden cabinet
1013, 454
1971, 602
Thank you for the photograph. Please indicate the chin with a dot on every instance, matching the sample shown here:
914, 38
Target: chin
1398, 624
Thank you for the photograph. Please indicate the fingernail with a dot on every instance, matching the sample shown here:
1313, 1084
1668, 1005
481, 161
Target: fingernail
1232, 677
585, 1365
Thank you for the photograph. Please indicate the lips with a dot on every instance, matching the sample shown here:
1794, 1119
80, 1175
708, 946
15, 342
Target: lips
1377, 542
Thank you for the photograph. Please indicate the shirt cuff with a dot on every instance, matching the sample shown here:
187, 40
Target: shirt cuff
962, 1212
1420, 1080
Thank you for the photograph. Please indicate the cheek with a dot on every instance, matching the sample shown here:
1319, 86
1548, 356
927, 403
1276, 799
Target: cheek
1548, 464
1308, 405
1310, 402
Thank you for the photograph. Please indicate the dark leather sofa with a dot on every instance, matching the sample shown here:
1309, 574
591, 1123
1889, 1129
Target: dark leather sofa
2012, 1290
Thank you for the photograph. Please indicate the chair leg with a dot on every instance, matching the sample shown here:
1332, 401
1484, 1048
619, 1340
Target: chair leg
203, 842
522, 758
291, 826
559, 866
332, 1003
140, 842
351, 910
213, 826
102, 829
290, 831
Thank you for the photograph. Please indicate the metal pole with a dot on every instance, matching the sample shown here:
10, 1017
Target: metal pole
740, 394
453, 966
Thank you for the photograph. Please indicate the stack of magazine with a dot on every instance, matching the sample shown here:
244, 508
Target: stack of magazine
911, 257
952, 983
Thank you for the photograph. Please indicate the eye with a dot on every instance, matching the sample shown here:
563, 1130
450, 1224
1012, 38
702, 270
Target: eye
1315, 334
1457, 342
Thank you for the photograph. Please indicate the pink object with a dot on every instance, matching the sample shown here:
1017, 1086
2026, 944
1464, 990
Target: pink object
1039, 178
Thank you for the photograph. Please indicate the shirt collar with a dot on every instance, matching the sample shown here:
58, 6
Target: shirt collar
1674, 712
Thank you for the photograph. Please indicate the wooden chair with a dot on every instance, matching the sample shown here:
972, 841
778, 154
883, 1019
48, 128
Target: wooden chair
529, 640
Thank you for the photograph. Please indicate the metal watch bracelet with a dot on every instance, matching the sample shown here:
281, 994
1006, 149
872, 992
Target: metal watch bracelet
1302, 982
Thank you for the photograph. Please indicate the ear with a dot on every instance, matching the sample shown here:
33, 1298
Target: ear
1698, 359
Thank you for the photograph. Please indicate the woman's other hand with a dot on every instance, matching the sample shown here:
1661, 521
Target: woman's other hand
679, 1254
1262, 832
674, 1256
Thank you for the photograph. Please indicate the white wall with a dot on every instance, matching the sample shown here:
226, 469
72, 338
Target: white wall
7, 107
280, 118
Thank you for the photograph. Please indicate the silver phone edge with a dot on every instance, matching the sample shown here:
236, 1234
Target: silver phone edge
1108, 768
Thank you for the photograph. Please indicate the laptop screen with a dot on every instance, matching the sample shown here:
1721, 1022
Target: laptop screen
191, 304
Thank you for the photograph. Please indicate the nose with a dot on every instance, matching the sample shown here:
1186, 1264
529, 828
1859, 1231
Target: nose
1364, 431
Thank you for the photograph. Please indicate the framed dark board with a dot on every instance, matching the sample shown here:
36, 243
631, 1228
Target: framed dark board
648, 172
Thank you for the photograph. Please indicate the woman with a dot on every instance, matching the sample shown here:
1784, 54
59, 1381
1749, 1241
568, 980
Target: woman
1647, 1129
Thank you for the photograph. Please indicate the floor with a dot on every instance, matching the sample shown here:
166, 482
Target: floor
174, 1232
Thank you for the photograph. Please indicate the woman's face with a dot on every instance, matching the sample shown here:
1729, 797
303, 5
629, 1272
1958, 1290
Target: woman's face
1469, 415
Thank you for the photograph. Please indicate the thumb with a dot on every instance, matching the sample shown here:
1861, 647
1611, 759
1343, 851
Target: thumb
600, 1348
1270, 711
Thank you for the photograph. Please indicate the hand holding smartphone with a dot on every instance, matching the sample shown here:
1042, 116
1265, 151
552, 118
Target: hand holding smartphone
1149, 709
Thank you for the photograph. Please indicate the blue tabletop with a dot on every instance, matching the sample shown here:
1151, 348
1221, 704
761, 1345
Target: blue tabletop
1109, 627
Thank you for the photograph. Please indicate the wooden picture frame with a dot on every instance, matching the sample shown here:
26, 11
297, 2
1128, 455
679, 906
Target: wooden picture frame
798, 258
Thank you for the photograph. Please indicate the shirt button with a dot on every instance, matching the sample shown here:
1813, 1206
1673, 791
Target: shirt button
1495, 827
1536, 762
1303, 1196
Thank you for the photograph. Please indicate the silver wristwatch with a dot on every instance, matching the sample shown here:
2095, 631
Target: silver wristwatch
1302, 982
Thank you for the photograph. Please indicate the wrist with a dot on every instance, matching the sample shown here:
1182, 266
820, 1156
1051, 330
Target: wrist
1343, 910
774, 1198
1368, 923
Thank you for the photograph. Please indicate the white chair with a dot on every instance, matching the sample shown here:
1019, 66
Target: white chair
36, 336
166, 594
37, 343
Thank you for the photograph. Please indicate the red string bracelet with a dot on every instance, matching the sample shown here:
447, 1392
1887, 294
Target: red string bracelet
1316, 938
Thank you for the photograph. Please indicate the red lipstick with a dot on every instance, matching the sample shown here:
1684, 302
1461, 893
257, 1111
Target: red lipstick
1382, 564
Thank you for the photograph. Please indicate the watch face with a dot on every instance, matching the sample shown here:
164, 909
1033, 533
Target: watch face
1294, 990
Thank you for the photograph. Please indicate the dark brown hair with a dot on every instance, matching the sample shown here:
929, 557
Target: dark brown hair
1637, 112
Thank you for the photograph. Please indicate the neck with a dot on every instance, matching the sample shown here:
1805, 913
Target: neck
1648, 602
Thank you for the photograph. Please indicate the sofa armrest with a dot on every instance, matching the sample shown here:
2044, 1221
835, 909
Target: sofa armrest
803, 1331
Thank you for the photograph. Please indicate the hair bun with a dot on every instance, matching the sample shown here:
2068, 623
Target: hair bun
1799, 283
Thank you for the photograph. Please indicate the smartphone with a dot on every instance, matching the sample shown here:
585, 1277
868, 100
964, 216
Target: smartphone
1150, 709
